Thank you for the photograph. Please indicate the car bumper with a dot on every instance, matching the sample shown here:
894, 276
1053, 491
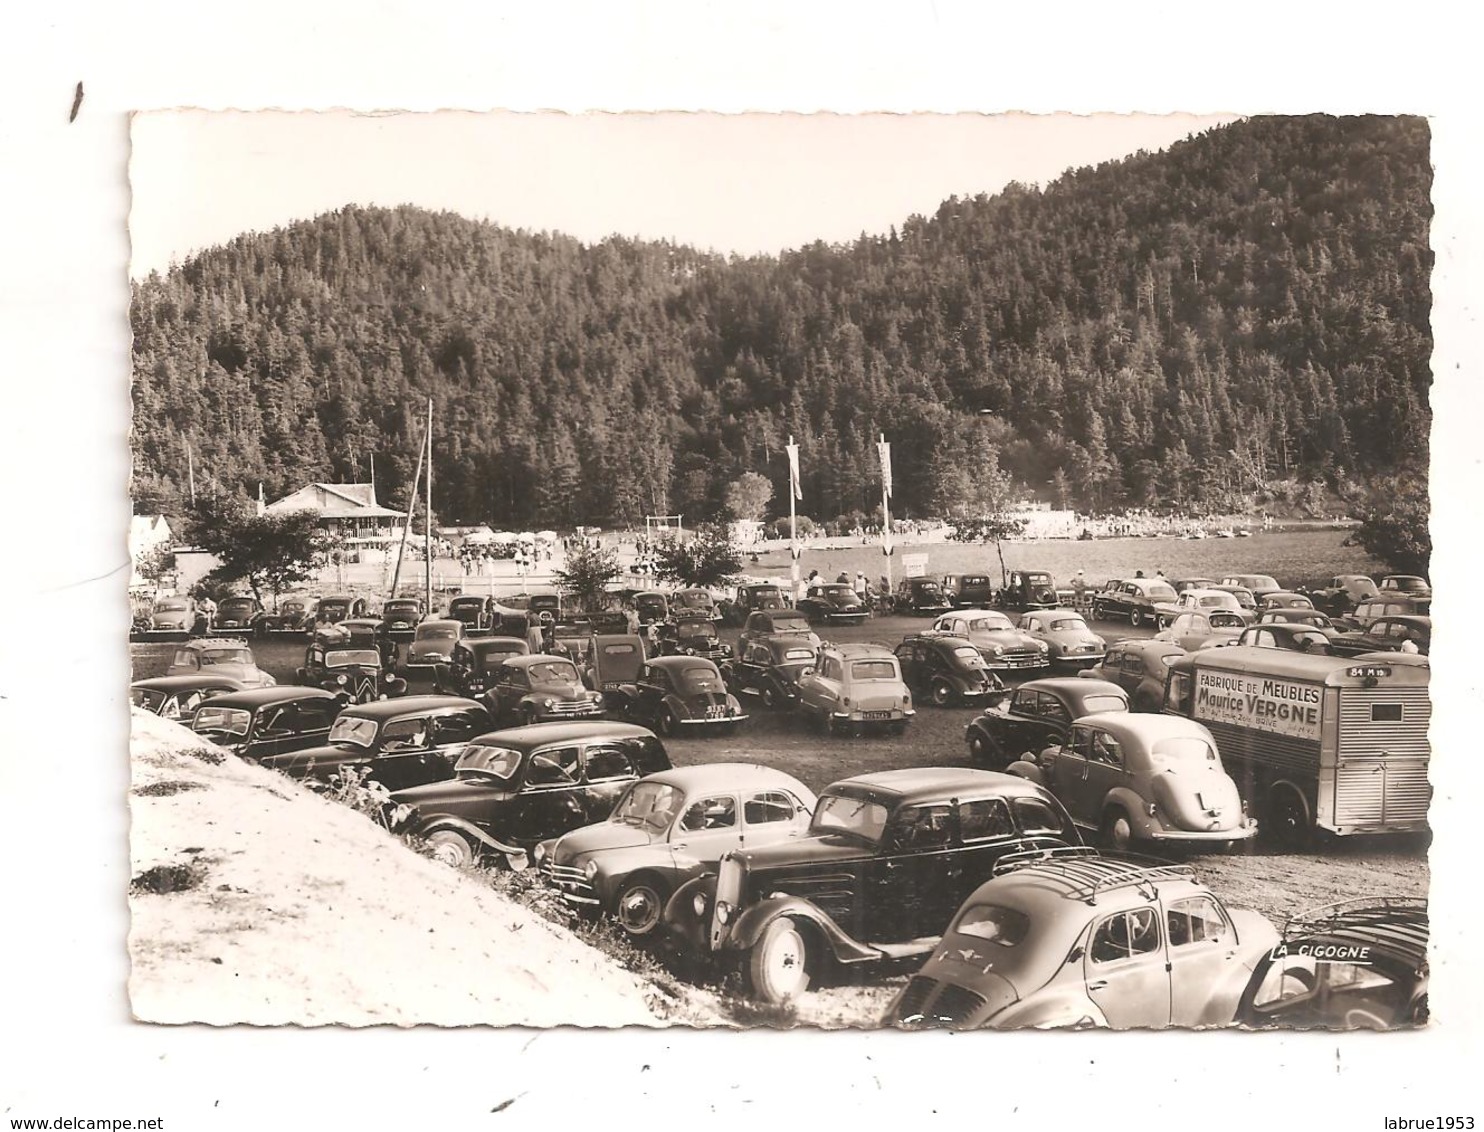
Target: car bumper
853, 618
570, 711
1157, 832
713, 721
868, 718
1014, 663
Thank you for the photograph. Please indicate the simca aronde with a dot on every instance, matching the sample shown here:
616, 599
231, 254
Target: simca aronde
1003, 647
887, 860
1067, 940
1143, 778
513, 789
1066, 636
667, 829
259, 723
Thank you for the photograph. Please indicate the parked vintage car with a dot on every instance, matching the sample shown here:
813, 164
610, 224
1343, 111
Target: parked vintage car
1066, 636
257, 724
513, 789
1396, 633
684, 693
1242, 594
1035, 715
1029, 589
539, 687
1141, 601
752, 596
433, 644
1309, 617
1204, 629
402, 615
293, 615
1259, 585
1180, 585
1357, 965
174, 615
667, 829
473, 610
945, 669
853, 687
398, 743
833, 603
361, 633
969, 591
1284, 599
1208, 600
651, 606
1376, 608
1067, 940
921, 596
237, 616
336, 608
544, 601
219, 656
1412, 586
690, 633
1139, 668
764, 623
1342, 593
1003, 647
175, 697
472, 665
1143, 778
694, 599
614, 663
887, 860
1285, 635
769, 668
355, 675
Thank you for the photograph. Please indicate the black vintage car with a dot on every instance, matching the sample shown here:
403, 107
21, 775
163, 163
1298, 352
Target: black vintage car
1386, 634
833, 603
471, 669
363, 633
944, 669
336, 608
614, 662
764, 623
752, 596
539, 687
684, 693
1139, 668
260, 723
969, 591
513, 789
292, 616
401, 742
887, 860
238, 616
769, 668
176, 697
1037, 714
921, 596
474, 611
402, 615
690, 634
355, 675
651, 606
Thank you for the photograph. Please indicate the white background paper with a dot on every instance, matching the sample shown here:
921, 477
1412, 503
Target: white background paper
69, 1048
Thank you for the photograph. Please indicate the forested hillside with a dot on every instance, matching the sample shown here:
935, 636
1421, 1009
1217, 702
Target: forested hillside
1171, 327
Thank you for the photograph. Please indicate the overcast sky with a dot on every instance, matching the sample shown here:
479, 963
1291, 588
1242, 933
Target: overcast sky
742, 183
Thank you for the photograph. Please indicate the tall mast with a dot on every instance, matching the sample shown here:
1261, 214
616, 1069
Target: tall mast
407, 526
428, 520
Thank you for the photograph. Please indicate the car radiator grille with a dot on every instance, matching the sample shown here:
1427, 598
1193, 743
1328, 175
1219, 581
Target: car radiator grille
927, 1002
570, 882
571, 707
1014, 658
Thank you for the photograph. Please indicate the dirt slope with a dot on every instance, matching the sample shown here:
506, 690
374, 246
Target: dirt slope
257, 901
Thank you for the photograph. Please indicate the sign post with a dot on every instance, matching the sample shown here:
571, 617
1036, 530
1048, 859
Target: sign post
883, 449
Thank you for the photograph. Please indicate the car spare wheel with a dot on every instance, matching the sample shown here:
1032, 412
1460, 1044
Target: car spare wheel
778, 966
639, 905
450, 848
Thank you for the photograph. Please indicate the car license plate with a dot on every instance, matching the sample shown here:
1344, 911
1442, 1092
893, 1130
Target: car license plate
875, 715
716, 711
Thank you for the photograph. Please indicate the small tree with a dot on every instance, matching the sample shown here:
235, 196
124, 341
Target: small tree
1397, 533
748, 495
271, 552
590, 570
711, 558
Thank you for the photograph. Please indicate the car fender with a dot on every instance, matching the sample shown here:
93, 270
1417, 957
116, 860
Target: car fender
678, 707
1057, 1010
1021, 768
752, 923
1134, 804
446, 822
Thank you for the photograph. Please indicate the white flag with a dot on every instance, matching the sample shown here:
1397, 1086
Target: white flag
883, 449
793, 470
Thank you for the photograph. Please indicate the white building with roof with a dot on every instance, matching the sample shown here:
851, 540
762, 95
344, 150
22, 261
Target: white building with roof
349, 510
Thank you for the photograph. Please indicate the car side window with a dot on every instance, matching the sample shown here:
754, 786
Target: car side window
769, 806
984, 819
405, 735
1023, 702
1081, 742
1195, 919
456, 727
1104, 749
1035, 816
1053, 710
710, 813
607, 763
275, 721
556, 767
317, 714
922, 829
1126, 936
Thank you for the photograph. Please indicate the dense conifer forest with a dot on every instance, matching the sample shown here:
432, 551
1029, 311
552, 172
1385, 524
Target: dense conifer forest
1171, 328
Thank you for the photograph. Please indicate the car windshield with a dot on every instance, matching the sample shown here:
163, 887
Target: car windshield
356, 732
994, 923
873, 670
998, 623
790, 625
229, 721
552, 672
1189, 752
1226, 619
798, 654
839, 590
1097, 705
436, 633
171, 604
147, 698
974, 580
401, 607
1160, 592
492, 762
858, 817
1069, 625
1215, 601
649, 805
344, 658
695, 627
225, 656
292, 607
928, 589
697, 679
1262, 582
233, 604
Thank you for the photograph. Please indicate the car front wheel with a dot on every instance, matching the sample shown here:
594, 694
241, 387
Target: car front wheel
1136, 618
1118, 830
778, 966
451, 848
639, 905
941, 693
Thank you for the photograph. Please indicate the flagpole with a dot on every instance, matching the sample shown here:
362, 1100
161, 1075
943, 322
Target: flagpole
407, 527
884, 450
793, 517
428, 521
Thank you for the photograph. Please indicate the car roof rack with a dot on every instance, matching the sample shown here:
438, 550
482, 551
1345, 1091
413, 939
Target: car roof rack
1086, 872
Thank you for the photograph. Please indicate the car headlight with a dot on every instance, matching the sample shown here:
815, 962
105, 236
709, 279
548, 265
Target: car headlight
539, 854
1042, 645
996, 649
595, 697
723, 911
698, 904
340, 679
590, 870
547, 701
